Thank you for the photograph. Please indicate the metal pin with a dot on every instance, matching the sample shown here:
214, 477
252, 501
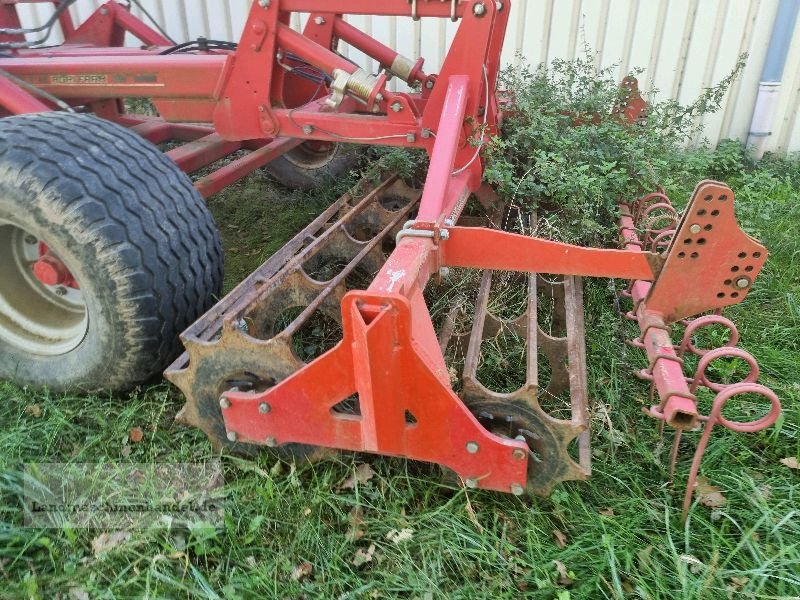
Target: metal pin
473, 447
517, 489
232, 436
264, 408
224, 402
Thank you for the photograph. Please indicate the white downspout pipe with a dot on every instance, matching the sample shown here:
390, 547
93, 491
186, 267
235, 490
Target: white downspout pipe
771, 76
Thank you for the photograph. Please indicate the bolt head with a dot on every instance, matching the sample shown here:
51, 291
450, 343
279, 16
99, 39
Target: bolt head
743, 283
444, 272
517, 489
224, 402
308, 129
232, 436
444, 234
320, 20
429, 84
61, 291
264, 408
473, 447
471, 483
500, 6
263, 3
695, 229
397, 107
519, 454
479, 9
31, 240
271, 442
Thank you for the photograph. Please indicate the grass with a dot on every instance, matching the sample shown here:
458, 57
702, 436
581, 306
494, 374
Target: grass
616, 536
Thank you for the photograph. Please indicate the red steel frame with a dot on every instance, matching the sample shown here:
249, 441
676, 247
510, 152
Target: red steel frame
390, 355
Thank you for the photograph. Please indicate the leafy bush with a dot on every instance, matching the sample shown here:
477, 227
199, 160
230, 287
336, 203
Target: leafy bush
562, 148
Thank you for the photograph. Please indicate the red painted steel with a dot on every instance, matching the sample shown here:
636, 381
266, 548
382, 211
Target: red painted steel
712, 204
17, 101
499, 250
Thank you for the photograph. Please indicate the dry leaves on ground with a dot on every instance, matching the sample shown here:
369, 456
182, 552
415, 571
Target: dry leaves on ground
362, 556
791, 462
564, 578
33, 410
357, 528
136, 435
105, 542
560, 537
302, 571
709, 495
398, 537
362, 475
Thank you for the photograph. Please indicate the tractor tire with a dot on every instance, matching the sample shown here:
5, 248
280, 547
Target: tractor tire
132, 254
312, 165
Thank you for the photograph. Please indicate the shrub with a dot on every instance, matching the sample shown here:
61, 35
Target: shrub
562, 149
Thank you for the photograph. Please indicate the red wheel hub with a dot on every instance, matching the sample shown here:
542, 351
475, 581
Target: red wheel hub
51, 271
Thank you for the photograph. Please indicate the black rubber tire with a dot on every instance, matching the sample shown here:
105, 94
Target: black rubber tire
133, 230
292, 170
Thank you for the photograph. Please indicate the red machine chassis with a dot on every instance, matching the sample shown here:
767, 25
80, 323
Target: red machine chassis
253, 98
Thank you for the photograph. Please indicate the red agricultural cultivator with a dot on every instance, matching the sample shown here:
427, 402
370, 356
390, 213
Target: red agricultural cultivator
108, 251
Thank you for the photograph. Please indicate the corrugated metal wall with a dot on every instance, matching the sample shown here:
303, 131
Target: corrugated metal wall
683, 45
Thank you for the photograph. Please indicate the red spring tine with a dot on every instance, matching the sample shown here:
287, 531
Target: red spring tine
693, 326
662, 240
640, 204
742, 427
700, 377
654, 214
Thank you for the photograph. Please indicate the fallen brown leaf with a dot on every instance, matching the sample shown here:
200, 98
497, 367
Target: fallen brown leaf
734, 587
644, 556
398, 537
564, 579
709, 495
136, 435
78, 593
362, 475
363, 557
302, 571
695, 564
791, 462
357, 529
105, 542
607, 512
560, 538
33, 410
